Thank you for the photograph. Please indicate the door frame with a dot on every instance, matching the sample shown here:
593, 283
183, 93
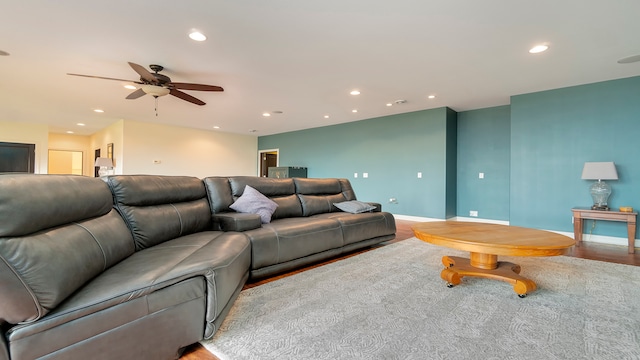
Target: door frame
260, 154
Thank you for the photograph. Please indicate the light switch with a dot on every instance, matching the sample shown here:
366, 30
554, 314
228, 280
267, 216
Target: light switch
355, 175
420, 175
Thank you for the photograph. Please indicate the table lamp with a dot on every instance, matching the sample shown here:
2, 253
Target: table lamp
600, 190
104, 164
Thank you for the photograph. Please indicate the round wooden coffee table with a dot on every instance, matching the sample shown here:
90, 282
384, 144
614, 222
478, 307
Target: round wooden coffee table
485, 242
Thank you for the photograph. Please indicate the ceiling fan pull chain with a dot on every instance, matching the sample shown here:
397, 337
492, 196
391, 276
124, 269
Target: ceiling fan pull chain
156, 98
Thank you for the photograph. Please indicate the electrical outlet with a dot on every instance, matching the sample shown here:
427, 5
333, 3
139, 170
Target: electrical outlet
393, 201
365, 175
355, 175
473, 213
480, 175
420, 175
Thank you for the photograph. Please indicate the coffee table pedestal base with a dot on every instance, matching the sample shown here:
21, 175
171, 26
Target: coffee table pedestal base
485, 266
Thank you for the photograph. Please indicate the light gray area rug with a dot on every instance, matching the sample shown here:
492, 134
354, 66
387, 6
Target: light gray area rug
390, 303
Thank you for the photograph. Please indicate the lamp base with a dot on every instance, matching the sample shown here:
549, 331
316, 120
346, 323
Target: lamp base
601, 208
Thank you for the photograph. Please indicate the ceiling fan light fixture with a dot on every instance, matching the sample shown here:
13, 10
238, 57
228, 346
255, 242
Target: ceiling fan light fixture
130, 87
155, 90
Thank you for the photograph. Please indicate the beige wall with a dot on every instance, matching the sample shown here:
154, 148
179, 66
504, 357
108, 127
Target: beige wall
25, 133
112, 134
180, 151
186, 151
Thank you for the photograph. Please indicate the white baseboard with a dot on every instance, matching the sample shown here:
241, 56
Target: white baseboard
609, 240
457, 218
415, 218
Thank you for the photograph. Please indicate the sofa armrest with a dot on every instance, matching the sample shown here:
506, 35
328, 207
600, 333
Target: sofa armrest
377, 205
232, 221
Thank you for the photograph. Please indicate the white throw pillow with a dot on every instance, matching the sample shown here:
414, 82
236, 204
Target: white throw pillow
253, 202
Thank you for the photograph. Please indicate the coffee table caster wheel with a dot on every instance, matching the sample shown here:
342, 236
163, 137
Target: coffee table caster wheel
450, 285
522, 296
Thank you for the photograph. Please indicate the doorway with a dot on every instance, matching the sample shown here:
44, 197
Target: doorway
16, 157
65, 162
96, 154
267, 159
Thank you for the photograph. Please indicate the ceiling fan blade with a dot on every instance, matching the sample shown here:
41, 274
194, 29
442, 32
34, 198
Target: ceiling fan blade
105, 78
187, 97
136, 94
199, 87
144, 73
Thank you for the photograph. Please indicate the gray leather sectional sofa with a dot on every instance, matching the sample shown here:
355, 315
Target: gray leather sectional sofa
305, 226
140, 266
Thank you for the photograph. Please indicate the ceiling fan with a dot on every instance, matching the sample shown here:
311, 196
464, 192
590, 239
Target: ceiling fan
156, 84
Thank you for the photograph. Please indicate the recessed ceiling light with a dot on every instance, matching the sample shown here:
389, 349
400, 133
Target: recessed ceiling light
197, 36
80, 124
3, 53
130, 87
326, 116
538, 49
354, 110
98, 110
266, 114
216, 127
355, 92
389, 104
431, 96
69, 132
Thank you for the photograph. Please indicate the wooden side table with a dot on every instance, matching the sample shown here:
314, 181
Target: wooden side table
586, 213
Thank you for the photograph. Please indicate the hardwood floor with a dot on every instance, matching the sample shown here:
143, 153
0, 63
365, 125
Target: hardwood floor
592, 251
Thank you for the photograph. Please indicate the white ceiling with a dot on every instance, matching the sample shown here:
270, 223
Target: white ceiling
300, 57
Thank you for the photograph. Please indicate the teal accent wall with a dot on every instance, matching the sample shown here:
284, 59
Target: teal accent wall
392, 150
484, 147
531, 151
553, 133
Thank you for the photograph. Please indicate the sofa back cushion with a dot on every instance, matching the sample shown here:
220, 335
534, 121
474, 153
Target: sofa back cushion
36, 202
295, 196
160, 208
57, 233
317, 196
223, 191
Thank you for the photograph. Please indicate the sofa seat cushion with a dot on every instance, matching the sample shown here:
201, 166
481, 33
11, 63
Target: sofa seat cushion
148, 327
363, 226
287, 239
223, 259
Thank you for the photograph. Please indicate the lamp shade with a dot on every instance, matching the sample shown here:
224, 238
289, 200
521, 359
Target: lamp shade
106, 162
599, 171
